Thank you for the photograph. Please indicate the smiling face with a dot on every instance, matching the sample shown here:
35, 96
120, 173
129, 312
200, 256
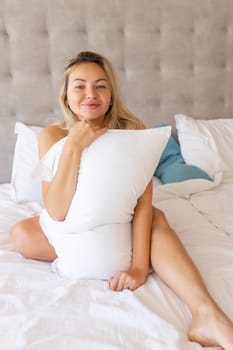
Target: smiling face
88, 93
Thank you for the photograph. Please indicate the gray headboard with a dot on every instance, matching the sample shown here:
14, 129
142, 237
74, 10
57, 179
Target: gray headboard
172, 56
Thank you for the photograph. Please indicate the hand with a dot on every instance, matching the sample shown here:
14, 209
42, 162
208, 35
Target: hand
82, 134
131, 279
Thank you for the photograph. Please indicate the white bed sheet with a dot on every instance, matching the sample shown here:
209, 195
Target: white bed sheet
40, 310
220, 212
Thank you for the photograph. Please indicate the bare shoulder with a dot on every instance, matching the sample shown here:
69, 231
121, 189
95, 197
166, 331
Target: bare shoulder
48, 137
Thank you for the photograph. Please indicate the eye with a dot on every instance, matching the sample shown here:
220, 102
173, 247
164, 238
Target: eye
79, 87
100, 87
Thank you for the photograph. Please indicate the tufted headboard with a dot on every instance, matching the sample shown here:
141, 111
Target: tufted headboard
172, 56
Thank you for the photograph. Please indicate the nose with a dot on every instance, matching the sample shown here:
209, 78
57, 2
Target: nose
90, 93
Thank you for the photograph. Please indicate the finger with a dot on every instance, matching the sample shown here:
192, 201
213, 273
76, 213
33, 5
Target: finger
135, 284
110, 282
120, 285
113, 282
123, 282
104, 128
81, 121
101, 131
116, 282
132, 285
129, 284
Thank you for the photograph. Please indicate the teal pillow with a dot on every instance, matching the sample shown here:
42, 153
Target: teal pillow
172, 167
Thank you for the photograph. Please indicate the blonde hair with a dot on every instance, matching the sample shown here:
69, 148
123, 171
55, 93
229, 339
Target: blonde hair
118, 116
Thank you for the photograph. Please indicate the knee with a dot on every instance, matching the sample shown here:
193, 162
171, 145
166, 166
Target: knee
159, 217
18, 237
160, 223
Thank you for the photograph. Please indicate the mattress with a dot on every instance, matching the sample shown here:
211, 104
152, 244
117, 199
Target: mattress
40, 310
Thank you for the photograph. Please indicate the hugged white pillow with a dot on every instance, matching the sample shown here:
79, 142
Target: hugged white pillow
23, 186
207, 144
114, 172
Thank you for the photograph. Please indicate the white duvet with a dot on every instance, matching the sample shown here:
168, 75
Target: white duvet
40, 310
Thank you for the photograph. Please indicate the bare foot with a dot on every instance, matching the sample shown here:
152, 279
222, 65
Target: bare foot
211, 327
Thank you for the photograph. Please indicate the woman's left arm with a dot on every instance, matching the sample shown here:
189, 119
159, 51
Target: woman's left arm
141, 239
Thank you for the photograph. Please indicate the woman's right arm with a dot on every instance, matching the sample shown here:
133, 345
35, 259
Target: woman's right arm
59, 193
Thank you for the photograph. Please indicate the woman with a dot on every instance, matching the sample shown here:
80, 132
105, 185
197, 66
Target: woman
91, 104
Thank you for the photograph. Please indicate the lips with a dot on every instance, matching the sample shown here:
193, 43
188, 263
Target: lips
90, 105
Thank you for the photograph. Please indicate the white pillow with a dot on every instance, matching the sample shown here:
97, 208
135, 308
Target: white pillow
207, 144
183, 189
114, 172
23, 186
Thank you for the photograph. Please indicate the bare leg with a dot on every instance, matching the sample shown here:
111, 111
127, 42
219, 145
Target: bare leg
29, 240
210, 326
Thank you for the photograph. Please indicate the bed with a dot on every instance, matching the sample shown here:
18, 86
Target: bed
174, 60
